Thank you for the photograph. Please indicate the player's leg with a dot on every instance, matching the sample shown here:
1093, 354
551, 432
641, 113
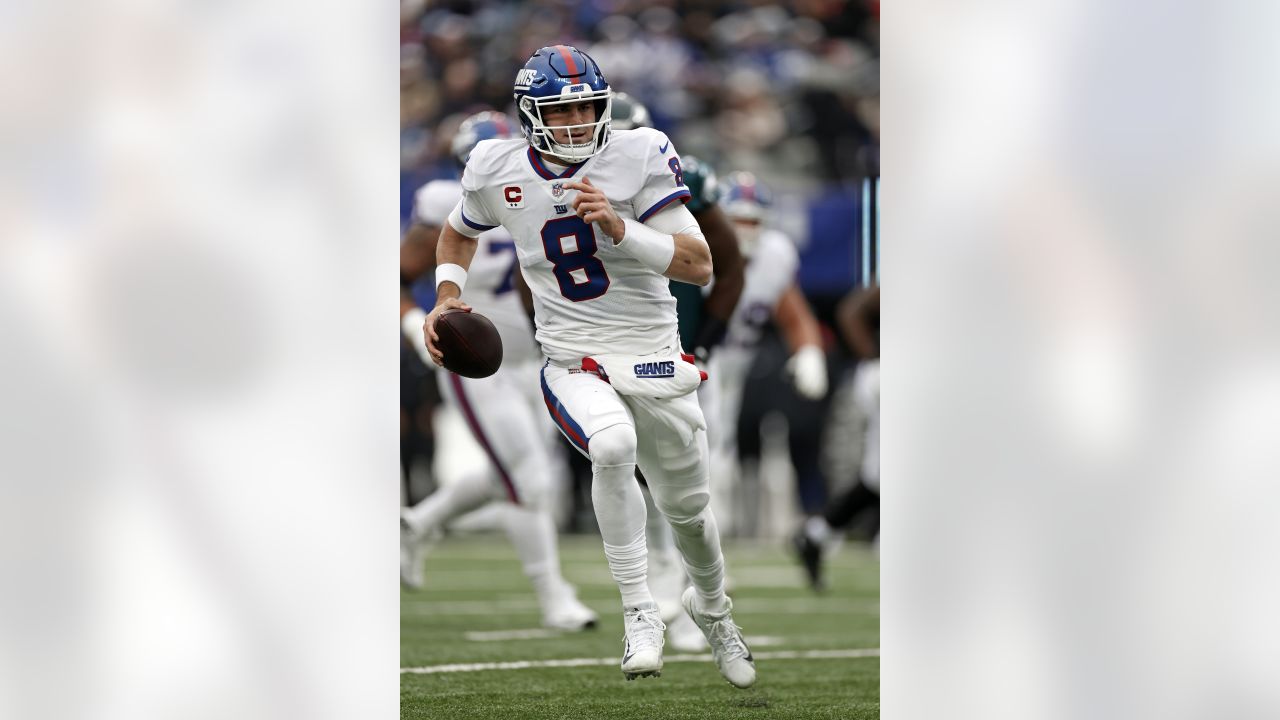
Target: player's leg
514, 439
420, 523
597, 422
678, 479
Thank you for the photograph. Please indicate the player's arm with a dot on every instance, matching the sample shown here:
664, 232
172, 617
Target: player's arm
727, 265
454, 251
808, 363
670, 243
418, 251
855, 317
417, 258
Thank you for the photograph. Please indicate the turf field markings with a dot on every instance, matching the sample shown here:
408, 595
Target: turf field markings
503, 635
596, 662
744, 606
548, 633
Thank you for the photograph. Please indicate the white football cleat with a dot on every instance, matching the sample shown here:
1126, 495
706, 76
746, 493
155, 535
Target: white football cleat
728, 648
413, 551
686, 636
642, 642
566, 612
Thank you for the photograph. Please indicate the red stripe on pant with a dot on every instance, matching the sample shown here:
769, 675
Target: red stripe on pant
478, 432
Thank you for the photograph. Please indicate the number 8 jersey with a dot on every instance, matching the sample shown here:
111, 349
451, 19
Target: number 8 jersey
589, 297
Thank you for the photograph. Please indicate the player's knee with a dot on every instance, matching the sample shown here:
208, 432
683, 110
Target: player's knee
535, 494
684, 512
613, 446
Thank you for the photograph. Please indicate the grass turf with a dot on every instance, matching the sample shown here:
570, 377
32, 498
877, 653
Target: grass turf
475, 585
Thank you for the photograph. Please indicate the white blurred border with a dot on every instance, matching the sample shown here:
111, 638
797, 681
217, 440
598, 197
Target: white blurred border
1081, 360
198, 467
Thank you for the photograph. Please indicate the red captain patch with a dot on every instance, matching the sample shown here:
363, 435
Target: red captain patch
514, 196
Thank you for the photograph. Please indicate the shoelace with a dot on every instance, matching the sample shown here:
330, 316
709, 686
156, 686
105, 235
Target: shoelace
729, 636
651, 635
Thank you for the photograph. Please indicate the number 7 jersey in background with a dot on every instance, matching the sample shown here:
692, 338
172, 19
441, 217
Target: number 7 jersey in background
589, 297
490, 289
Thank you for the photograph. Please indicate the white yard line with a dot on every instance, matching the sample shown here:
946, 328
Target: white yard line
745, 606
595, 662
503, 635
547, 633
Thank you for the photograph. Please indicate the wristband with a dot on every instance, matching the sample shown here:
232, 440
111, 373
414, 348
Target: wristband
653, 248
411, 323
455, 274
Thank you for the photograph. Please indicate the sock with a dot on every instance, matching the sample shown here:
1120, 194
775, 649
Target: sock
699, 543
534, 537
620, 513
449, 501
817, 529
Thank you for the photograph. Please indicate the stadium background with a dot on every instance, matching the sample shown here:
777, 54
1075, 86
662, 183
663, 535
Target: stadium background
789, 92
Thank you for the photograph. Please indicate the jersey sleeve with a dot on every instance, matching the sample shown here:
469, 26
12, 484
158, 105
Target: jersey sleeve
663, 179
473, 215
433, 202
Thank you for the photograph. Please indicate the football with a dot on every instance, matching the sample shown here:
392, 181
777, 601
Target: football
470, 343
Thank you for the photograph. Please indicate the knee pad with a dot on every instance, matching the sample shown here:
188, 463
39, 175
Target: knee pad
685, 510
613, 446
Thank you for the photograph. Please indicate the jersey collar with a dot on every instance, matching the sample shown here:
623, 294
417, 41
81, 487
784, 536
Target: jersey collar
544, 172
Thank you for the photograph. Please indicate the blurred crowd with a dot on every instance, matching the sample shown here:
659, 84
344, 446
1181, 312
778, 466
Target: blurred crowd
789, 89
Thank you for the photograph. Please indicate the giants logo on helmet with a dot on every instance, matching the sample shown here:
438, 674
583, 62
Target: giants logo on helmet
525, 77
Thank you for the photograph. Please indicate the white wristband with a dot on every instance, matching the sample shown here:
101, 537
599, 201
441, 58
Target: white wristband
455, 274
653, 248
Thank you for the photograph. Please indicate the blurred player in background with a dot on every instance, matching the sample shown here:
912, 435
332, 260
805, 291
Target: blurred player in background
770, 293
858, 316
599, 227
704, 320
503, 412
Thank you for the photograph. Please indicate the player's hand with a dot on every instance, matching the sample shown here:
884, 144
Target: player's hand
429, 327
592, 206
808, 368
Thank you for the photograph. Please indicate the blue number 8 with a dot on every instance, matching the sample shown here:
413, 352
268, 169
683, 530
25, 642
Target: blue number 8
582, 259
674, 164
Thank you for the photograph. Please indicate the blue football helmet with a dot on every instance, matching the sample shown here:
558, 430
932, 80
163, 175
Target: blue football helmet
629, 113
487, 125
744, 201
744, 198
557, 75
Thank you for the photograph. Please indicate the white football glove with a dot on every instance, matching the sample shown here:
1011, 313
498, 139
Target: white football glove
808, 368
411, 325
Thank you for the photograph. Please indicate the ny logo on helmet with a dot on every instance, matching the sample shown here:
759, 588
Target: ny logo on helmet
525, 77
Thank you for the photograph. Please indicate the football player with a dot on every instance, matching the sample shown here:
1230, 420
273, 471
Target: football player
704, 320
770, 293
503, 411
600, 226
858, 317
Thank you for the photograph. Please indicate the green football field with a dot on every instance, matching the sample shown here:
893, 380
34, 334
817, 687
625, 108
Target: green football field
471, 646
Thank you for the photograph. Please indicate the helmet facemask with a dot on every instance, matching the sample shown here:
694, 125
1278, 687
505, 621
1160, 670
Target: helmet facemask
542, 137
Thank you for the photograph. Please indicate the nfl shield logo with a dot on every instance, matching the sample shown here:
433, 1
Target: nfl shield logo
557, 190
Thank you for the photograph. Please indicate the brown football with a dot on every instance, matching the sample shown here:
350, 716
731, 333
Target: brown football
470, 343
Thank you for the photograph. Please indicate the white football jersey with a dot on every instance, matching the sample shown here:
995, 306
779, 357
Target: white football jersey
769, 272
489, 287
589, 297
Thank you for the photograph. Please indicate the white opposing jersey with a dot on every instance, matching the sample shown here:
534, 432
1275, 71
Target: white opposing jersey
770, 270
489, 287
589, 297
